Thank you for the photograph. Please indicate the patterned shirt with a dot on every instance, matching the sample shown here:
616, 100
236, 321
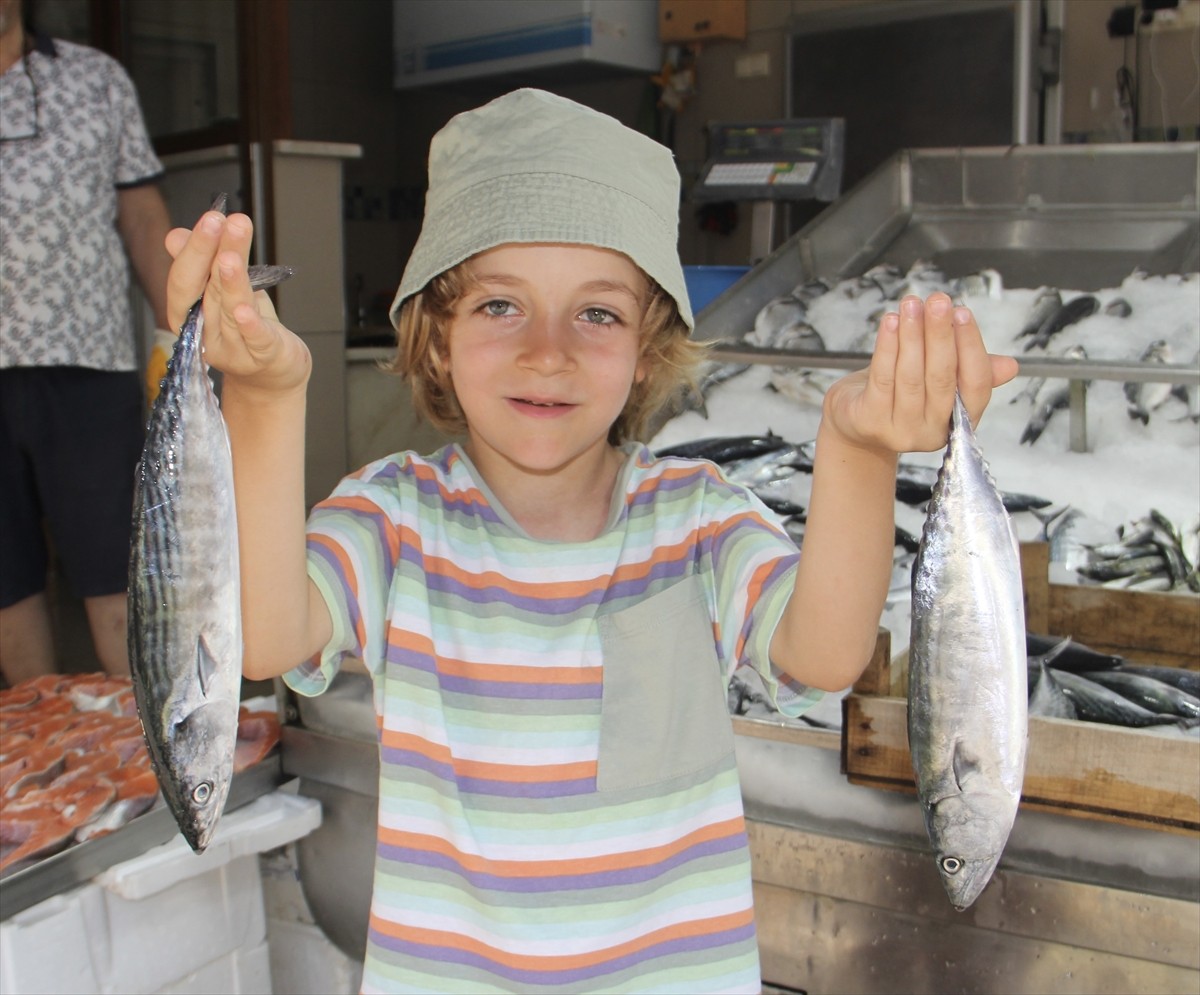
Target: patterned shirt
559, 806
72, 137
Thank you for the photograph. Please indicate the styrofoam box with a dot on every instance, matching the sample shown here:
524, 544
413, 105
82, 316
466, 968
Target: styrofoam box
168, 921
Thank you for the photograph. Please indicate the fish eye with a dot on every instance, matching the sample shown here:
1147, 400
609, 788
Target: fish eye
951, 865
202, 792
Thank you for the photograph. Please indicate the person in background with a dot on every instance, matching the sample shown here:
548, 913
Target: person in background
77, 193
550, 614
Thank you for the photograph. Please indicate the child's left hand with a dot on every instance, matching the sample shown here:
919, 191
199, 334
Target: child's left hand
903, 400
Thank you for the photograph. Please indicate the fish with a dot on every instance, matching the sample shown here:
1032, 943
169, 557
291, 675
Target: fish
726, 448
775, 316
768, 468
804, 387
886, 279
985, 283
1143, 398
915, 483
1050, 399
1072, 311
1146, 551
1096, 703
185, 641
799, 336
1045, 305
968, 685
1189, 394
1046, 697
1067, 654
1178, 677
1148, 692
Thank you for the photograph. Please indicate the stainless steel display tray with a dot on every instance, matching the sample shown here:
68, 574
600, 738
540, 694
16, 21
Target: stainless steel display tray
1075, 216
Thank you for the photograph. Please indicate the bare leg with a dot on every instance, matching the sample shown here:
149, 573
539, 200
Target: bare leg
26, 640
108, 619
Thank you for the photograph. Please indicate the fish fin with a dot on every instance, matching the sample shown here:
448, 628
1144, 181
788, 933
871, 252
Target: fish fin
966, 765
1053, 652
206, 665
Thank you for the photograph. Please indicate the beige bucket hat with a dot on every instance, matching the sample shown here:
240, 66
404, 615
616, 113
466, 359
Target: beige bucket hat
535, 167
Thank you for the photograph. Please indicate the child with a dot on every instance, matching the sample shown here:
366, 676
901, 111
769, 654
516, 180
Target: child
550, 615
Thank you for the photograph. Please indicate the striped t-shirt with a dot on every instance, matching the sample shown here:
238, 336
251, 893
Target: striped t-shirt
559, 807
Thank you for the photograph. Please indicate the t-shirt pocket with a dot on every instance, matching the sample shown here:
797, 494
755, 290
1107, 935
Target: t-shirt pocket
663, 712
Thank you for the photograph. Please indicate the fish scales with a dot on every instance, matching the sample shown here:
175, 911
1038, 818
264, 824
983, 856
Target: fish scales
185, 638
967, 697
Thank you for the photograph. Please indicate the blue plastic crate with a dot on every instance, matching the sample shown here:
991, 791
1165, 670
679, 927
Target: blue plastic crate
706, 283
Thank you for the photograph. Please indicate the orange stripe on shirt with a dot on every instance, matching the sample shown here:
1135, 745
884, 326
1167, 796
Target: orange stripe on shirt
563, 962
564, 867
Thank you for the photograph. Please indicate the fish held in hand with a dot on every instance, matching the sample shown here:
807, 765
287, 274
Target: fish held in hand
185, 637
967, 692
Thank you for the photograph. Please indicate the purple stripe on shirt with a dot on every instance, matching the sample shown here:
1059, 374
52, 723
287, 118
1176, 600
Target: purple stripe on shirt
430, 954
633, 875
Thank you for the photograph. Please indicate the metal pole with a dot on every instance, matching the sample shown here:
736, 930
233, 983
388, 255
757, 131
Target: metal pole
1026, 29
1078, 416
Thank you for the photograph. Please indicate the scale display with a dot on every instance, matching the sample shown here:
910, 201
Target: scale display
795, 159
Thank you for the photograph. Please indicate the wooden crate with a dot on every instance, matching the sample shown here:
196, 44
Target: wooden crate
1085, 769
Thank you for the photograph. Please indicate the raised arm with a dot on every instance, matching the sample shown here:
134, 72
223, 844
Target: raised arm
266, 370
900, 403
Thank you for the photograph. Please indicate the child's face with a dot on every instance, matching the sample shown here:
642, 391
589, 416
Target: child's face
543, 351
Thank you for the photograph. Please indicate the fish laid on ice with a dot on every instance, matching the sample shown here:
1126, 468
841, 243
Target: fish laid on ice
985, 283
804, 387
1072, 311
1045, 306
774, 317
968, 687
1051, 396
727, 448
1189, 394
185, 639
1143, 398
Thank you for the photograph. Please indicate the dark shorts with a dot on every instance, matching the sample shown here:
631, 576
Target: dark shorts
70, 439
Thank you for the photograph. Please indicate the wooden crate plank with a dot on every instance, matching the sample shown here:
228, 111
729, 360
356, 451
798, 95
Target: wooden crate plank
1104, 772
1035, 576
1152, 628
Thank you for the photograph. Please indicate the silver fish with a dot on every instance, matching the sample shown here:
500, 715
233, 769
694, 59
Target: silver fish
1143, 398
1075, 310
1096, 703
1045, 306
1148, 692
968, 688
774, 317
185, 636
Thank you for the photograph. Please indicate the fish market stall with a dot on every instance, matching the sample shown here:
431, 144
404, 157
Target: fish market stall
846, 892
1099, 886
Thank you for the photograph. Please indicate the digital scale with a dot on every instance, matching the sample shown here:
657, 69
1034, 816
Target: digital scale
769, 161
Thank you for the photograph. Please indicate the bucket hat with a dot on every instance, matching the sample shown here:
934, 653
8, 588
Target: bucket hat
535, 167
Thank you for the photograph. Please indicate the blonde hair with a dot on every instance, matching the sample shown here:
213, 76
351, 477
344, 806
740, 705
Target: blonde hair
670, 356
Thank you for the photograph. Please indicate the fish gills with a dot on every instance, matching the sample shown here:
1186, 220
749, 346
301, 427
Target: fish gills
967, 707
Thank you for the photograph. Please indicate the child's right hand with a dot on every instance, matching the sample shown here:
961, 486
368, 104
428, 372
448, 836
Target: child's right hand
243, 338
